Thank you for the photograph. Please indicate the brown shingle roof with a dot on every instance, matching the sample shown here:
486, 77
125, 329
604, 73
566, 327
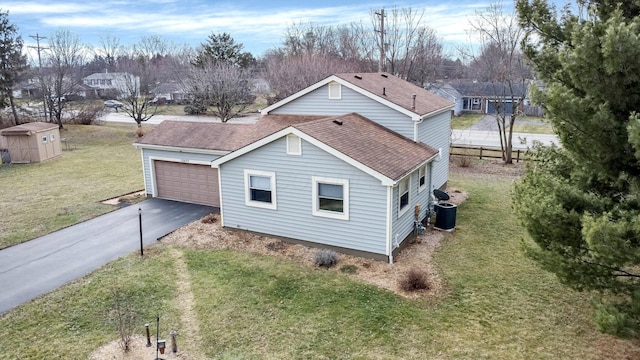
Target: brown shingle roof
217, 136
398, 91
369, 143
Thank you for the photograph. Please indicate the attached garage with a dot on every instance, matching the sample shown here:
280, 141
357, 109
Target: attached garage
193, 183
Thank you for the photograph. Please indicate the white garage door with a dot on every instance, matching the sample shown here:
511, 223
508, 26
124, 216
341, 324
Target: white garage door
187, 182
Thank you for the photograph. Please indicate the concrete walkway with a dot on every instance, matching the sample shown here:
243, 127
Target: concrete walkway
38, 266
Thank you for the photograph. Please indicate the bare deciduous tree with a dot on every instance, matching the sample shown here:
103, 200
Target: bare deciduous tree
61, 77
412, 49
223, 86
287, 75
501, 62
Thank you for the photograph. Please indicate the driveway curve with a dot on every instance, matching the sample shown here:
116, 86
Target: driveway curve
38, 266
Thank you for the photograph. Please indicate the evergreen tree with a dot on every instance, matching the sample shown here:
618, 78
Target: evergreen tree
12, 62
222, 48
580, 202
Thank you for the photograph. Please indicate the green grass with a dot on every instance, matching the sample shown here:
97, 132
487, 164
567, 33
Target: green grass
534, 129
498, 304
37, 199
464, 121
73, 321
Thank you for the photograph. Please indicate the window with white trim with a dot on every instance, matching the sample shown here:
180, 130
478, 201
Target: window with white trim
335, 90
294, 145
44, 139
330, 197
260, 189
422, 178
52, 137
403, 195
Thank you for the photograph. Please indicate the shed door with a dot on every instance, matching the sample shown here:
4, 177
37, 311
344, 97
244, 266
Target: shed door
187, 182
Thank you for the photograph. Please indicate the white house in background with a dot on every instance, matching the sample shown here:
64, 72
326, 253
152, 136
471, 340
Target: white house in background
108, 84
348, 163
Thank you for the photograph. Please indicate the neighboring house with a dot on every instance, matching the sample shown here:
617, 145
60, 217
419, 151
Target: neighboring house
27, 89
348, 163
483, 97
109, 84
168, 92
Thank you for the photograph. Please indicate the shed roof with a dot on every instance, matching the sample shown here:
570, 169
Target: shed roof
28, 129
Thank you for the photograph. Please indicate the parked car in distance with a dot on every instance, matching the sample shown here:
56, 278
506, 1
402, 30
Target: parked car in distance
113, 104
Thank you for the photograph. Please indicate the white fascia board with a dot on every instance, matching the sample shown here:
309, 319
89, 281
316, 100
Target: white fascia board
182, 149
386, 181
437, 112
299, 94
431, 159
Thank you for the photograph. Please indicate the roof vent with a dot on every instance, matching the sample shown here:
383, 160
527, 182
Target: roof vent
384, 91
384, 75
358, 77
413, 106
338, 122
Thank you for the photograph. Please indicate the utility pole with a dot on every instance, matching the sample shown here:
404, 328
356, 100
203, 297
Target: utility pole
381, 63
37, 37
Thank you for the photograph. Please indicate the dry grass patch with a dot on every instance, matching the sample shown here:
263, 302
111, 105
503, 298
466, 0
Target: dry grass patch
208, 234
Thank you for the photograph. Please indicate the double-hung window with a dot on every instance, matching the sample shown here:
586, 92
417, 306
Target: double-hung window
330, 197
403, 195
260, 189
422, 178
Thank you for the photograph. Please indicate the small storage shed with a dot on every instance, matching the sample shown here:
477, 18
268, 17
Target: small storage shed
32, 142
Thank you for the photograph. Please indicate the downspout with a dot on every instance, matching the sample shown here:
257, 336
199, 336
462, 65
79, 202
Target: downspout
219, 191
389, 224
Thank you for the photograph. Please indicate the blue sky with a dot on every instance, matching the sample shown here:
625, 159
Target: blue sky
259, 25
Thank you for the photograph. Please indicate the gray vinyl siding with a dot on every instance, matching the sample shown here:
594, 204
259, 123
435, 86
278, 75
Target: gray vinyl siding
169, 156
366, 228
402, 225
317, 102
436, 132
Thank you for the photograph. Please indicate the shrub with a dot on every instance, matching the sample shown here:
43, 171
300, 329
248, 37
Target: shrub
414, 280
463, 161
275, 246
209, 219
326, 258
349, 269
195, 109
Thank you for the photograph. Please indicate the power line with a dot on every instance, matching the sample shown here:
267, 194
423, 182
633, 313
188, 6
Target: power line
381, 63
37, 37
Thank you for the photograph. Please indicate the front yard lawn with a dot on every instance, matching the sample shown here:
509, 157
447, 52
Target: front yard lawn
498, 304
37, 199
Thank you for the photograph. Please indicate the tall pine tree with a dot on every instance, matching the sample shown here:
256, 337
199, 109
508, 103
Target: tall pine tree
12, 62
580, 202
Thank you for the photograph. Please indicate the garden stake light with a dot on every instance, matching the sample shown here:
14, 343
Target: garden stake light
140, 223
146, 326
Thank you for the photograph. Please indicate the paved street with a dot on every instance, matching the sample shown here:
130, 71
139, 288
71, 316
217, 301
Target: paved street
121, 117
38, 266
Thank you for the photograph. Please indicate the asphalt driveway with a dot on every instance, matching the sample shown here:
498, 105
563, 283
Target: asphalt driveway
38, 266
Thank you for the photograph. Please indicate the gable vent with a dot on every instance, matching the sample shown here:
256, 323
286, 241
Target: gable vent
358, 77
337, 122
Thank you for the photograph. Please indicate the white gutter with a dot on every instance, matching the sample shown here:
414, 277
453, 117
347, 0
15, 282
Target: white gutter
182, 149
